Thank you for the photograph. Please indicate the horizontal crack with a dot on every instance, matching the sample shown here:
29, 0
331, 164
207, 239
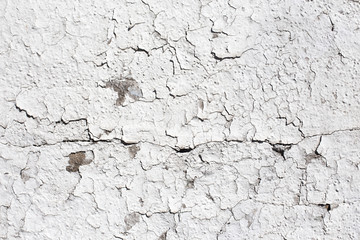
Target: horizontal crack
218, 58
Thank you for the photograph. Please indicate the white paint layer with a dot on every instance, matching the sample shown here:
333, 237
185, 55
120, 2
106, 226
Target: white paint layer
172, 120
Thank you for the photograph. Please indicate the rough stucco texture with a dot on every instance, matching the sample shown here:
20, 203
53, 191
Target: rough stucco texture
180, 119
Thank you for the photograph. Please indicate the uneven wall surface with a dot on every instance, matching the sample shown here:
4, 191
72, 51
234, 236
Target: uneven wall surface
189, 119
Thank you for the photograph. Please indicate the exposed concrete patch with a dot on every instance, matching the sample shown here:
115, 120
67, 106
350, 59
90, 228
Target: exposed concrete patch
127, 87
131, 219
163, 236
78, 159
133, 150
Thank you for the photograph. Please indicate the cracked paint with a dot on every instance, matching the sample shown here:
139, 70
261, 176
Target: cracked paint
180, 120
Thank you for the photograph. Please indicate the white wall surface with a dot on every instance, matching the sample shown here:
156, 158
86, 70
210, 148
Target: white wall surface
191, 119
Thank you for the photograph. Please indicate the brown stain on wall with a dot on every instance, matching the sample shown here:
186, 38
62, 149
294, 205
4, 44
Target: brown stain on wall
133, 150
125, 87
76, 160
131, 219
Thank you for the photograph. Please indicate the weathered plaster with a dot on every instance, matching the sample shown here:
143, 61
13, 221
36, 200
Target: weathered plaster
180, 119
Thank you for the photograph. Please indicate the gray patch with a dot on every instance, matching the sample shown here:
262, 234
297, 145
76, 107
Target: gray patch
125, 87
201, 104
131, 219
250, 218
78, 159
190, 183
163, 236
133, 150
24, 175
309, 157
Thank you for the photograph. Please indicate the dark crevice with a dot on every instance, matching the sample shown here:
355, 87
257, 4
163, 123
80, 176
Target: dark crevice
326, 206
317, 147
26, 113
259, 141
137, 49
223, 58
102, 64
62, 121
216, 57
127, 143
183, 150
133, 25
216, 32
332, 25
173, 66
281, 148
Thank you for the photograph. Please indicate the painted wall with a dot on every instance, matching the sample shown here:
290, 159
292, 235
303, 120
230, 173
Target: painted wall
180, 119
